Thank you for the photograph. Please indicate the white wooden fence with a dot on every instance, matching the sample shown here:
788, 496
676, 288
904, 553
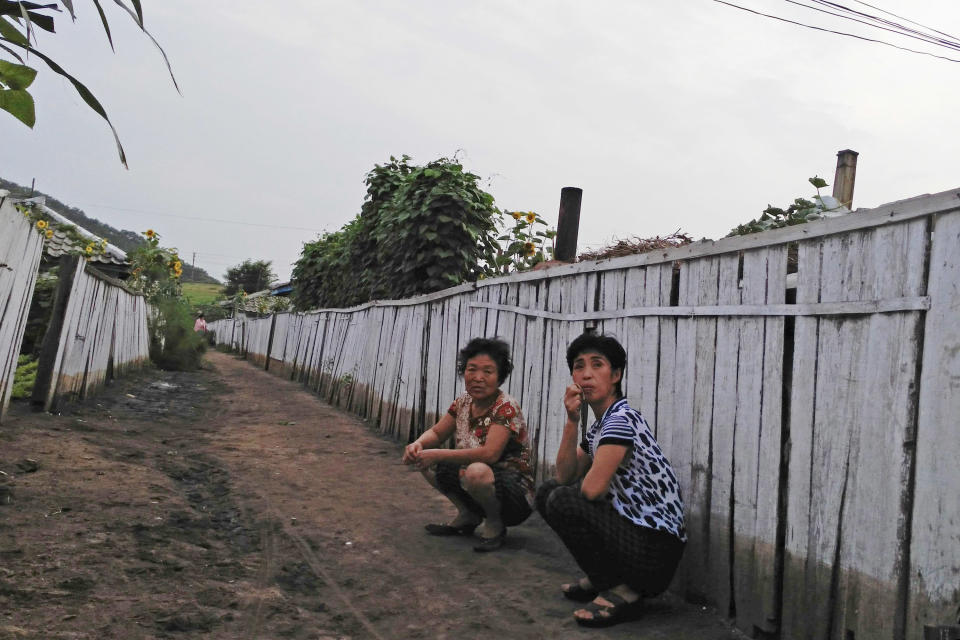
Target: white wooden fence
815, 436
20, 249
98, 324
104, 326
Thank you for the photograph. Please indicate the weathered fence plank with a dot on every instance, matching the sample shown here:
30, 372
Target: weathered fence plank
757, 444
20, 250
724, 424
698, 494
934, 589
676, 434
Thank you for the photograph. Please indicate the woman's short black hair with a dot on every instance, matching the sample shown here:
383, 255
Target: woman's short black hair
607, 346
498, 350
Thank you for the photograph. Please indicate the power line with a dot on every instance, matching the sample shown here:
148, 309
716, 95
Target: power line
200, 219
952, 43
893, 28
907, 19
839, 33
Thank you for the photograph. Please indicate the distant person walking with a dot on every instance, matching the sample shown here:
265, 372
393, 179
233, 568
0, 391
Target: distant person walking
200, 326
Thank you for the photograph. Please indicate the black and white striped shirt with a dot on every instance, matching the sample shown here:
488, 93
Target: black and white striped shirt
644, 489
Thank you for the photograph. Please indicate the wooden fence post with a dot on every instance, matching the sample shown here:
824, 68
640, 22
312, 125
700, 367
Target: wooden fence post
845, 176
273, 325
568, 224
46, 361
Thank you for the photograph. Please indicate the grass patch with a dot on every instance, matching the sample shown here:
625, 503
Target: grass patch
200, 293
24, 378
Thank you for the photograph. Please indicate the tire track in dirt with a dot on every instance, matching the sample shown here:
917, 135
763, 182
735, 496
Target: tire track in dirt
314, 562
265, 574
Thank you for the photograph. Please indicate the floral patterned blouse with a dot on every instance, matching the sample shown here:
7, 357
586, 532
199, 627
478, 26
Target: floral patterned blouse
472, 433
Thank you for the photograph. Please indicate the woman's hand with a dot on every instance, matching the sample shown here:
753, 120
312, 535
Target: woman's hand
412, 452
572, 402
427, 457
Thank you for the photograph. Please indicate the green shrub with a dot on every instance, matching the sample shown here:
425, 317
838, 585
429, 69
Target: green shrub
420, 229
173, 343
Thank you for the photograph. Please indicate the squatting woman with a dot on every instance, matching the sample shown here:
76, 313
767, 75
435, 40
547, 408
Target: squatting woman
615, 501
487, 476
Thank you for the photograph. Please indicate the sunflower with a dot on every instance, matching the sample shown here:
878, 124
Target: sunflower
150, 233
177, 266
41, 224
516, 215
49, 233
89, 249
529, 249
531, 216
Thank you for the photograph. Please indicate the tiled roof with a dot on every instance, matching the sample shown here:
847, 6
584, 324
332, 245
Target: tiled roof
61, 244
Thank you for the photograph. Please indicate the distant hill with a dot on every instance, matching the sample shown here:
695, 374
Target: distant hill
126, 240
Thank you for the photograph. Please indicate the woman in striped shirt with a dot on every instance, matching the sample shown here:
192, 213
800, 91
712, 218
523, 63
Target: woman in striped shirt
615, 501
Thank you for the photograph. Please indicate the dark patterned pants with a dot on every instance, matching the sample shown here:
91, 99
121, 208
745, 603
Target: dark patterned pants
514, 507
610, 549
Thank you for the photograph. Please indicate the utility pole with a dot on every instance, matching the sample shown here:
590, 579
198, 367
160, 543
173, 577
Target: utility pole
193, 268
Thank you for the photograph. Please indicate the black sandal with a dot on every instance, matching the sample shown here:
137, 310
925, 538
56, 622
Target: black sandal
604, 616
573, 591
491, 544
450, 530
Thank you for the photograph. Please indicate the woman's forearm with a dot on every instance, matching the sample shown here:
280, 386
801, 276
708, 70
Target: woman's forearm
464, 456
567, 462
429, 439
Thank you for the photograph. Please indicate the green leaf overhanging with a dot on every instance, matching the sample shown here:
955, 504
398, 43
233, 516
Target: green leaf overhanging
106, 25
16, 76
19, 104
85, 93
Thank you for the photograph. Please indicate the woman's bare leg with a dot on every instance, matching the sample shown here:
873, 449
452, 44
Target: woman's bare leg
464, 515
478, 481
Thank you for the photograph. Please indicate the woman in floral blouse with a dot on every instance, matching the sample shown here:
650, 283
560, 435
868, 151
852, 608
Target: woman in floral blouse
487, 476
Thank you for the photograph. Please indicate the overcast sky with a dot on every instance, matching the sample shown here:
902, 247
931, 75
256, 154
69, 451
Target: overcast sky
669, 115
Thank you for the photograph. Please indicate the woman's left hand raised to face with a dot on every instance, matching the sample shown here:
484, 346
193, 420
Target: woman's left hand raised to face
572, 402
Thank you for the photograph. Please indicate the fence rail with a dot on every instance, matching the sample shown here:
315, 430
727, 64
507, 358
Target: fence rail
814, 435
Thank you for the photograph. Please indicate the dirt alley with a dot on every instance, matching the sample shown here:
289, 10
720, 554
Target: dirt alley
230, 503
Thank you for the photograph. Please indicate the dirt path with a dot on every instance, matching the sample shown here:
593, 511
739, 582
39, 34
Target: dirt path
229, 503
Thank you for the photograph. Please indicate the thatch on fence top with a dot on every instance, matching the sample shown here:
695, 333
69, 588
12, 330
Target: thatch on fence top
629, 247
